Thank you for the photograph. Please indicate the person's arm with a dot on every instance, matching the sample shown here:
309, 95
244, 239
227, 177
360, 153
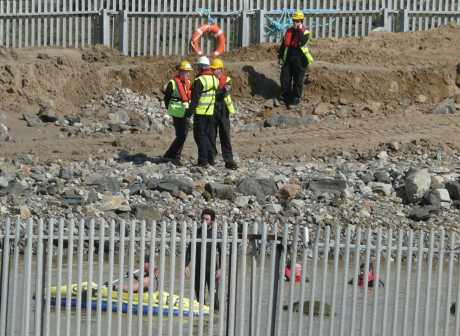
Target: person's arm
281, 50
168, 94
304, 38
197, 89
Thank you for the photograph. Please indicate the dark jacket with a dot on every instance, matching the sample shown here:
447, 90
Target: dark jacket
294, 52
188, 253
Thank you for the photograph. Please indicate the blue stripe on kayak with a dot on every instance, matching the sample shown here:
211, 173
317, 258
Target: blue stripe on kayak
124, 307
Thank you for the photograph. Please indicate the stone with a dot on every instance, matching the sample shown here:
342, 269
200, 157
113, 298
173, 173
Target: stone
104, 183
25, 213
278, 120
4, 135
73, 199
289, 191
47, 114
322, 109
440, 197
274, 208
421, 99
382, 176
327, 185
146, 212
110, 203
297, 203
437, 181
119, 117
175, 184
394, 145
65, 173
382, 156
242, 201
381, 188
3, 182
417, 184
221, 191
260, 188
453, 187
447, 106
32, 120
420, 213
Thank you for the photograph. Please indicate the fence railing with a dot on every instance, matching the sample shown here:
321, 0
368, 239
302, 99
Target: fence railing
139, 28
68, 278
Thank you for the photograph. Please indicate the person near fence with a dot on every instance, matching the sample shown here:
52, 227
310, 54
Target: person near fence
136, 286
223, 109
372, 280
294, 56
202, 104
177, 95
208, 217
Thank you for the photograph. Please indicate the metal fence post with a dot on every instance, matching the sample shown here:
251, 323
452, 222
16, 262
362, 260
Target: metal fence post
260, 24
386, 20
403, 18
123, 31
244, 25
104, 24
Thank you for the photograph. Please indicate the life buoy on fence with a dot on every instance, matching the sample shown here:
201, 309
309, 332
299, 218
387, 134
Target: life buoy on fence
209, 29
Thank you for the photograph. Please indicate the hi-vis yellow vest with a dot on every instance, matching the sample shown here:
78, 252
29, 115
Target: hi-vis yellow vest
207, 100
228, 98
176, 106
304, 50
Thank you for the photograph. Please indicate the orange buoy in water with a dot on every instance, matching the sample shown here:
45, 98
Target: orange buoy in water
208, 29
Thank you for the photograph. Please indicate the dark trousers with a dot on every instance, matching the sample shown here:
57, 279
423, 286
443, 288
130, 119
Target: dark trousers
207, 284
204, 133
292, 78
222, 124
175, 150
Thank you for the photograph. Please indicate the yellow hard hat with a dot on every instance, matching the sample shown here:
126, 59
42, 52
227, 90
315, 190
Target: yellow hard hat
298, 16
217, 63
185, 66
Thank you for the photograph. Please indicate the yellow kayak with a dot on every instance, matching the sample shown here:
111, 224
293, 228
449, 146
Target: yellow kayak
149, 302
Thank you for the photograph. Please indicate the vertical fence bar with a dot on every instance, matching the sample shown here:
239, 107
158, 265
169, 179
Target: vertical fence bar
366, 282
244, 242
252, 293
89, 293
141, 288
313, 281
346, 267
397, 284
49, 262
110, 279
27, 291
449, 281
408, 283
152, 270
40, 274
192, 268
324, 278
131, 255
279, 320
439, 282
428, 286
172, 277
377, 281
203, 256
457, 302
273, 273
387, 282
5, 276
222, 283
64, 24
121, 275
263, 251
100, 276
302, 287
212, 285
59, 274
162, 271
234, 246
292, 278
80, 253
69, 278
183, 240
418, 281
355, 281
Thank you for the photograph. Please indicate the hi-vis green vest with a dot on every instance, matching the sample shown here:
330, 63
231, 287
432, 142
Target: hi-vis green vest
304, 50
228, 98
176, 106
207, 100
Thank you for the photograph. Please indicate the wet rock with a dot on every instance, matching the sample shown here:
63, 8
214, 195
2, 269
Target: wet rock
327, 185
4, 135
47, 114
445, 107
417, 183
260, 188
221, 191
381, 188
32, 119
453, 188
73, 199
146, 212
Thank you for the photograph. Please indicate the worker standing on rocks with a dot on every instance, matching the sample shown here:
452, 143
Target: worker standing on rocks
294, 57
177, 99
222, 111
202, 108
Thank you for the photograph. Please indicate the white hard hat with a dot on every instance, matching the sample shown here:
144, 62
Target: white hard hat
203, 60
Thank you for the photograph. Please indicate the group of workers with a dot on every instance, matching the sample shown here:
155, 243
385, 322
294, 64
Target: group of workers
209, 99
210, 103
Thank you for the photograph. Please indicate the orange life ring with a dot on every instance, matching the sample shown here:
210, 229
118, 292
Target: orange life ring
210, 29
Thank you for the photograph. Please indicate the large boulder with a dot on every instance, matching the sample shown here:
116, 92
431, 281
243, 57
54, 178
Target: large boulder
440, 198
104, 183
260, 188
327, 185
220, 190
174, 184
454, 189
417, 184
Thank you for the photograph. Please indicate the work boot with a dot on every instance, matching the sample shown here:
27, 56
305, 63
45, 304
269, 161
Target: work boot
231, 165
177, 162
295, 101
202, 164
